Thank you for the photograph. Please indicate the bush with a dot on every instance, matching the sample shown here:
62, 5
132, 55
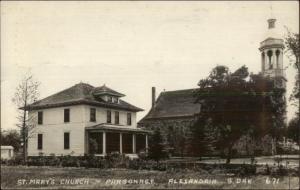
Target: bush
247, 170
16, 160
116, 160
70, 161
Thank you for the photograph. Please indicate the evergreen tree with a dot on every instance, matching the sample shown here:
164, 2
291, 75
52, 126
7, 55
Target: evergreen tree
156, 151
202, 138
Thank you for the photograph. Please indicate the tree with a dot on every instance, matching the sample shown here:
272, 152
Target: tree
156, 146
12, 138
26, 94
236, 104
293, 48
202, 140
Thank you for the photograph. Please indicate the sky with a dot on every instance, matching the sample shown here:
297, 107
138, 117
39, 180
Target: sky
132, 46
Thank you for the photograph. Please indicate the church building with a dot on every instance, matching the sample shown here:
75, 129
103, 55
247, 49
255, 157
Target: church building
173, 112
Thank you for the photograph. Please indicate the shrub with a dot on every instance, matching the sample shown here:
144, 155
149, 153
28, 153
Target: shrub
116, 160
245, 170
69, 161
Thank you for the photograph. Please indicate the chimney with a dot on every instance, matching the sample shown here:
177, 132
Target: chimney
153, 96
271, 23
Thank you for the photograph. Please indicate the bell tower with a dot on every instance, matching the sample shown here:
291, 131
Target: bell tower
272, 55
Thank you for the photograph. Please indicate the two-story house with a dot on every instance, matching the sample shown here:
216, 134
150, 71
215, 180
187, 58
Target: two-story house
85, 120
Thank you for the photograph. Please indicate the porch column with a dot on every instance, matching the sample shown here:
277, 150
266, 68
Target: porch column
121, 144
104, 143
133, 144
146, 143
87, 151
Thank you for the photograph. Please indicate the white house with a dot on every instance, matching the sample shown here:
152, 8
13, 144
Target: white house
7, 152
84, 119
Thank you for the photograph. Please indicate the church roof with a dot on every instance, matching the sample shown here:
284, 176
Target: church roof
81, 93
174, 104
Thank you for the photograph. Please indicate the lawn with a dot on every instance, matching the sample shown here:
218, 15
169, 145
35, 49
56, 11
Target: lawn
23, 177
289, 160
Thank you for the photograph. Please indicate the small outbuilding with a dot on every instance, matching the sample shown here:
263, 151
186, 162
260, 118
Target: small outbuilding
7, 152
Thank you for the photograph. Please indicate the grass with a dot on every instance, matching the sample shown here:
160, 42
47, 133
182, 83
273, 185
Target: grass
12, 176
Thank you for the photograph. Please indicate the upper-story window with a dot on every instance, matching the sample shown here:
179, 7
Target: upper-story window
109, 99
66, 115
108, 116
116, 117
93, 114
40, 117
128, 118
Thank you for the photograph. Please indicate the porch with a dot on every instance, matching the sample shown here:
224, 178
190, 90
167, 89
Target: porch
103, 139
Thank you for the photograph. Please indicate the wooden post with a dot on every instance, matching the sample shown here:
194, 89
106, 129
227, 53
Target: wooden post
121, 144
133, 144
146, 143
104, 143
87, 142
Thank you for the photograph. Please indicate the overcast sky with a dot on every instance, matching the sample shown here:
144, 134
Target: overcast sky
132, 46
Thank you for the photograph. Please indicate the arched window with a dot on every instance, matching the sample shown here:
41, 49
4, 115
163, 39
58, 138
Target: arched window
277, 58
269, 54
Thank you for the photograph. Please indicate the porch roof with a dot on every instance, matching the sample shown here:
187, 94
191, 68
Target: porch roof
107, 127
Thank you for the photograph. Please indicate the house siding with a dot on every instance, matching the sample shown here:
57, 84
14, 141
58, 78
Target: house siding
101, 116
54, 127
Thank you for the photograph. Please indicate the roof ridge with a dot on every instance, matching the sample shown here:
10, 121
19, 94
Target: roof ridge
180, 90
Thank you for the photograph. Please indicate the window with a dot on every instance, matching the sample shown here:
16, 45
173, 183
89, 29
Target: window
66, 115
116, 117
40, 141
40, 117
116, 100
66, 140
93, 114
108, 116
128, 118
109, 99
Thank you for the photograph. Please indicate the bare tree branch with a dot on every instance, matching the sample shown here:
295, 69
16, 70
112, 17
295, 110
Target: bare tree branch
26, 93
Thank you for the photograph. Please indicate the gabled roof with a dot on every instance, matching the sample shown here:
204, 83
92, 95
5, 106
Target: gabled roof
81, 93
174, 104
103, 90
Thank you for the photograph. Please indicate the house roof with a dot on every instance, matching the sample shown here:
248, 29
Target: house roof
6, 147
108, 127
174, 104
102, 90
81, 93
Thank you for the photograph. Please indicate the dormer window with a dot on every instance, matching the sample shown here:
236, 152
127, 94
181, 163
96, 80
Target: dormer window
107, 94
116, 100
